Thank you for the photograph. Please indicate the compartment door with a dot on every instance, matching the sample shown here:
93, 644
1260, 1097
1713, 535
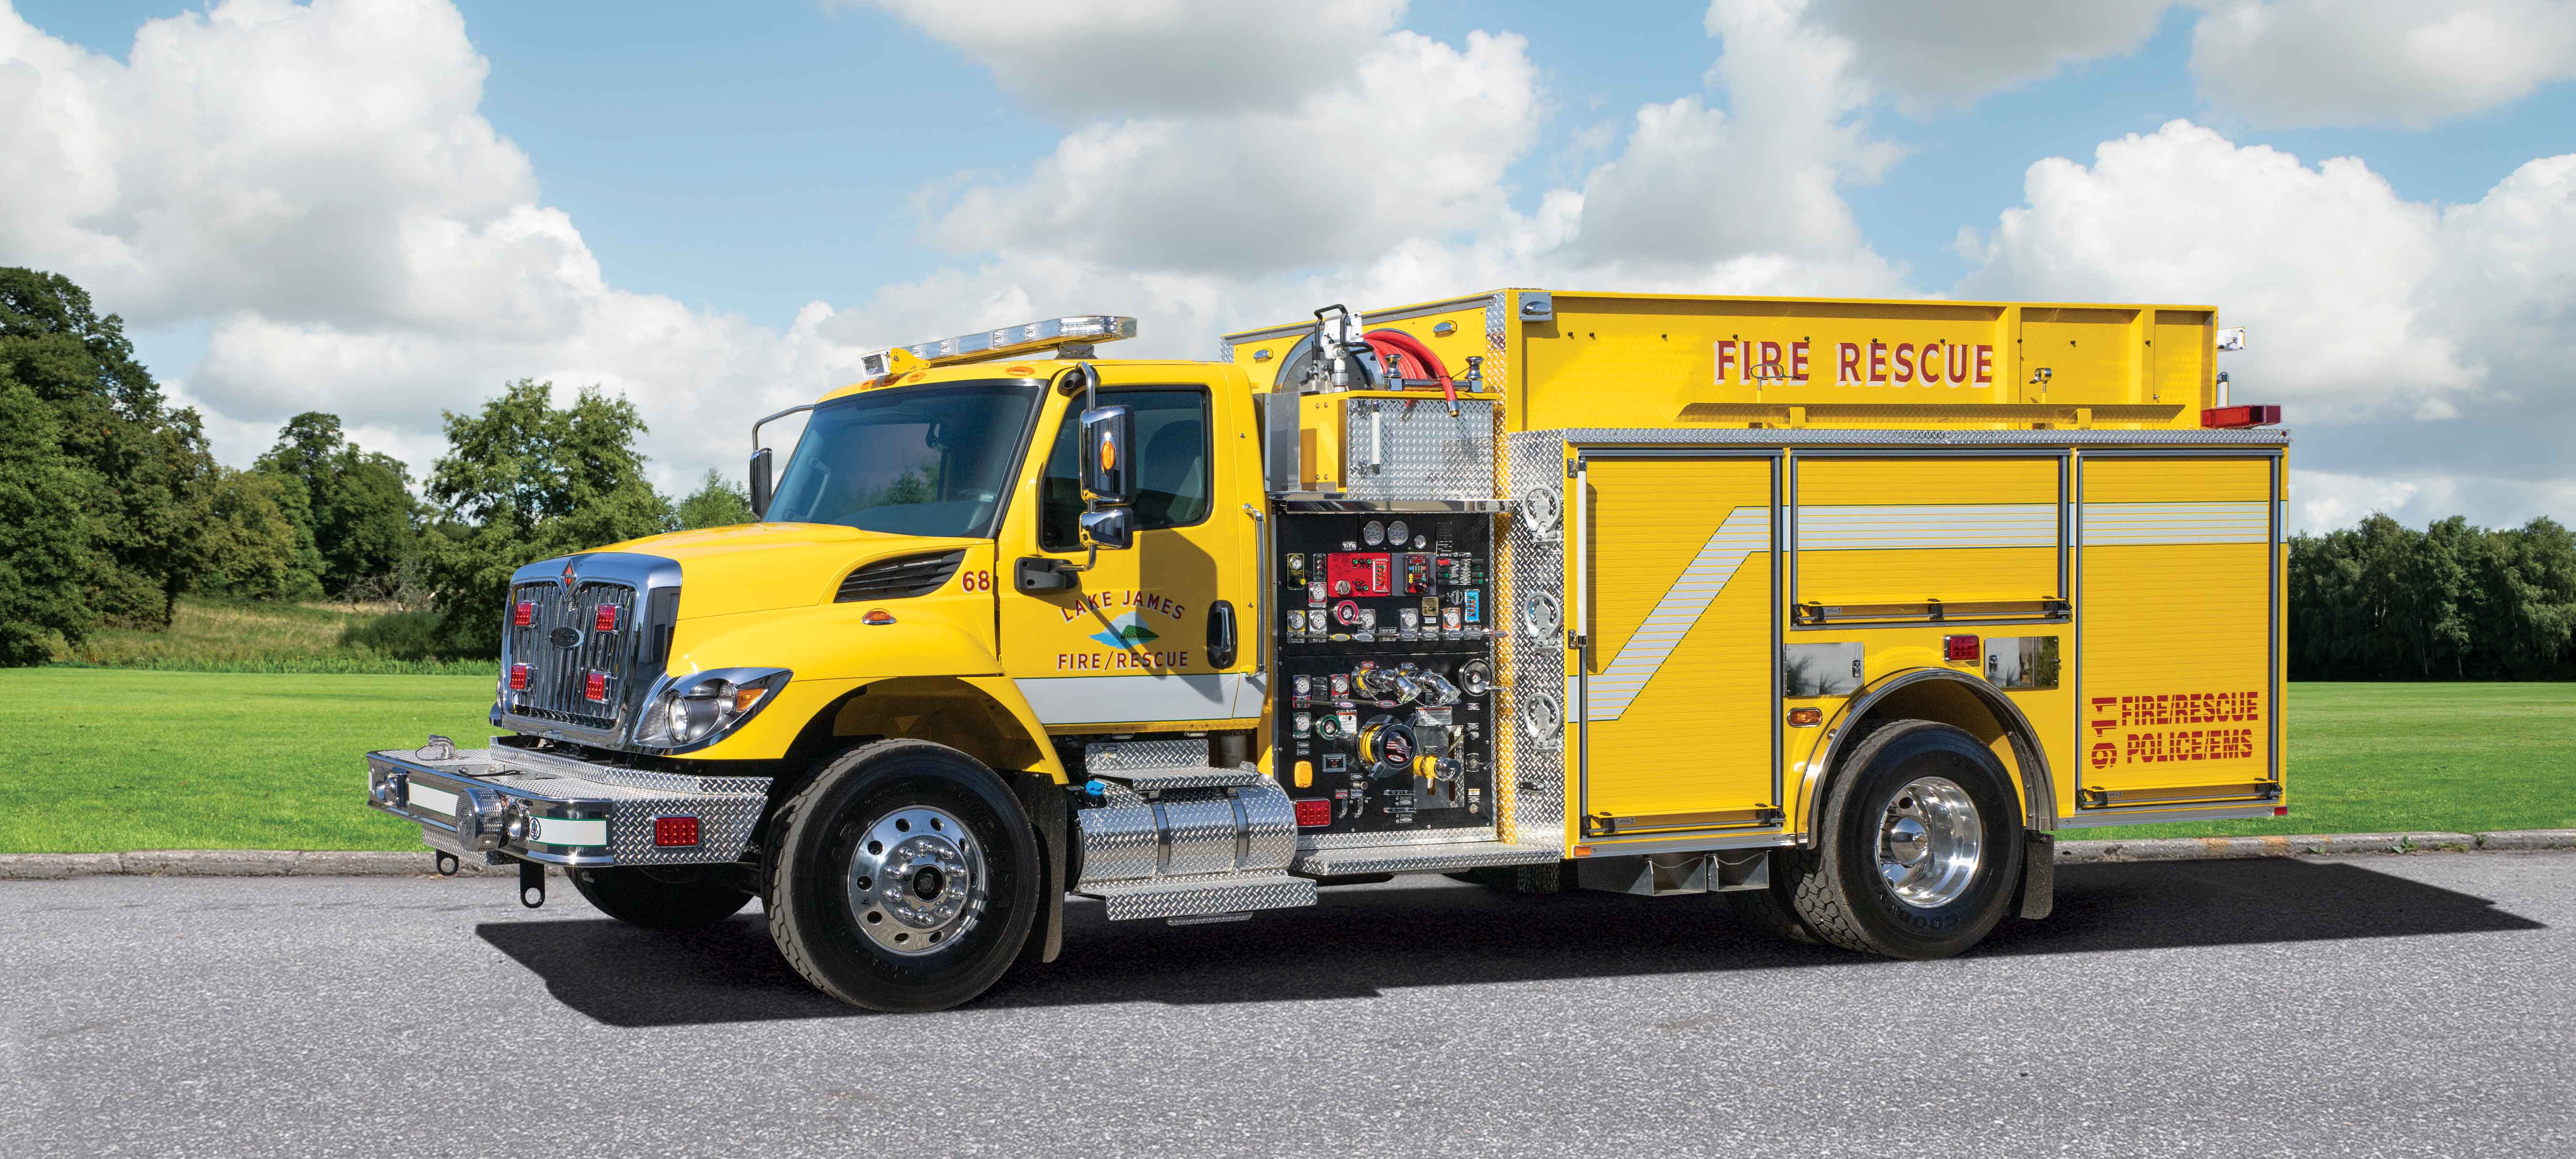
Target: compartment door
2177, 658
1676, 682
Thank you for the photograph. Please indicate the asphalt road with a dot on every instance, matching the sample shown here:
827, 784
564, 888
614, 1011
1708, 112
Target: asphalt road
2361, 1006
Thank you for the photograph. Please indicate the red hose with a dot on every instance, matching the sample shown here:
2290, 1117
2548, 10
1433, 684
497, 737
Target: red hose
1412, 359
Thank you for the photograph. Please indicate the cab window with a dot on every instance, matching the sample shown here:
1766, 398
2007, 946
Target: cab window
1174, 482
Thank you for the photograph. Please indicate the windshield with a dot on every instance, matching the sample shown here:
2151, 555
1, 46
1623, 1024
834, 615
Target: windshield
925, 461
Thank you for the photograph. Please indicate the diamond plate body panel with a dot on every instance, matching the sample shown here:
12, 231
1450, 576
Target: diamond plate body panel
1136, 837
1163, 780
1199, 833
1423, 859
1111, 758
1223, 894
1533, 564
1745, 437
1411, 448
1120, 839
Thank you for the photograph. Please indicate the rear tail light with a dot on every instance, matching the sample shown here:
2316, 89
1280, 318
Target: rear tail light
2240, 416
605, 620
518, 678
1314, 813
671, 831
594, 687
523, 614
2280, 810
1961, 649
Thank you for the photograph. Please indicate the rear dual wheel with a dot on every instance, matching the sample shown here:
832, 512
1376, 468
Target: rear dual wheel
1919, 849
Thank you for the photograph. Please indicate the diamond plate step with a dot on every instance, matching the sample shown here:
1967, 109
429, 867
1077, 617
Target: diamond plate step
1152, 780
1421, 858
1153, 765
1189, 897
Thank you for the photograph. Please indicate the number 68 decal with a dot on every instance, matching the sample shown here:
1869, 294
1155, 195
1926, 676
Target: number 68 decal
978, 581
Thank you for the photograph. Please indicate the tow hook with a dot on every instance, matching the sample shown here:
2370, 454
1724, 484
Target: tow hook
532, 884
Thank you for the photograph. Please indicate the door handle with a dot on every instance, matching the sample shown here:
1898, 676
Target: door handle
1220, 634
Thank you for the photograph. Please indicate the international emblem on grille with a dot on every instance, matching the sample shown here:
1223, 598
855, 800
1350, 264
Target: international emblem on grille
565, 637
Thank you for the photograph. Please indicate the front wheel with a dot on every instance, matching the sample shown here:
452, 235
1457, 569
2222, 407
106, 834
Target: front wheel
905, 877
1920, 846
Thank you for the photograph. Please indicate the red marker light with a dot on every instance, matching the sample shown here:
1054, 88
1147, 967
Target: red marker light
2232, 417
2280, 810
524, 614
605, 620
1314, 813
518, 678
670, 831
1962, 649
594, 687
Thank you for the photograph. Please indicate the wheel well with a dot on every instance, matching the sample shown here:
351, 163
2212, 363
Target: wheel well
932, 708
1956, 699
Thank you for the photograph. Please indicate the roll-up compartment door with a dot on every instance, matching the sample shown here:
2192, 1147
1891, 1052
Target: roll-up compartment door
1677, 683
2175, 614
1899, 539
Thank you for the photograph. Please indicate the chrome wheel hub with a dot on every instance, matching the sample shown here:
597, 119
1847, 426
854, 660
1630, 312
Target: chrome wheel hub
917, 880
1930, 842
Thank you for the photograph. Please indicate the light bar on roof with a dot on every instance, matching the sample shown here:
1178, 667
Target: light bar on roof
1005, 342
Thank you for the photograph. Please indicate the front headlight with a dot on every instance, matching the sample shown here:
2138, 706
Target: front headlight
695, 710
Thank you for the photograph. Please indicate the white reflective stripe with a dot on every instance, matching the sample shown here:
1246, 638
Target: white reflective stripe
1882, 527
562, 831
2131, 524
1747, 530
432, 800
1130, 699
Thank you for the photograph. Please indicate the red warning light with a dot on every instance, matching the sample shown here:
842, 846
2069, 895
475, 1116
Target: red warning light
605, 620
670, 831
1314, 813
518, 678
523, 614
1962, 649
594, 687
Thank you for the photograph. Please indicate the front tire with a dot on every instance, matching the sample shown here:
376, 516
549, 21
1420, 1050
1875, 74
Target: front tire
1920, 846
678, 897
905, 877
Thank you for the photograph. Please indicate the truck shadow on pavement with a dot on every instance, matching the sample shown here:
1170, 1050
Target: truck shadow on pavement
1418, 933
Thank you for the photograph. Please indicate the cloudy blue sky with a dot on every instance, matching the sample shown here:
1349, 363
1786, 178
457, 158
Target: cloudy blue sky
386, 208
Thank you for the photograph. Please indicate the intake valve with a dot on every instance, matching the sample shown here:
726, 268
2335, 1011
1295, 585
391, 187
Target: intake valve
1435, 690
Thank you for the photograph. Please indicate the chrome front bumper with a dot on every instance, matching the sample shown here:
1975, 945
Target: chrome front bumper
498, 804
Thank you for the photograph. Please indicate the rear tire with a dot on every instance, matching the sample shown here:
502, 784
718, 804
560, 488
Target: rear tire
905, 877
678, 897
1770, 910
1920, 846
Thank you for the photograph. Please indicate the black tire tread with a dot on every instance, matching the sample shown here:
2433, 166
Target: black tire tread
782, 917
1819, 897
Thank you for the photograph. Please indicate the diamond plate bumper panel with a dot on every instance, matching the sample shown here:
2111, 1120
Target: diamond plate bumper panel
571, 813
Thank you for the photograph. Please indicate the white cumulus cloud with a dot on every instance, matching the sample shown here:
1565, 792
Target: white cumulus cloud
2378, 62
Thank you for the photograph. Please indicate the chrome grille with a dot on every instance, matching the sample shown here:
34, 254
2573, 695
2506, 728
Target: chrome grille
556, 672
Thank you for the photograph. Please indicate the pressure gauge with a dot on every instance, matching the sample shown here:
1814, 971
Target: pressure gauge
1409, 619
1315, 592
1341, 684
1449, 618
1304, 685
1374, 532
1368, 619
1301, 723
1328, 726
1396, 533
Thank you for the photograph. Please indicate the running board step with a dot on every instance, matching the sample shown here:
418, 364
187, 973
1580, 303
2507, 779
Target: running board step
1420, 858
1152, 766
1182, 897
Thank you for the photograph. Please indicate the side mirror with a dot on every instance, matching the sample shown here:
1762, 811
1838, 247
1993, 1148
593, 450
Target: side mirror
762, 487
1108, 457
1109, 529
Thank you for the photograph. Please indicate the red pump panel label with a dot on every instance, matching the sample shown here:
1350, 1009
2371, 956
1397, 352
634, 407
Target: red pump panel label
1368, 573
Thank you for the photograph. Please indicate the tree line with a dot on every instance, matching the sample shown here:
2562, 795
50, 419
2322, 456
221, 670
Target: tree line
2383, 601
112, 506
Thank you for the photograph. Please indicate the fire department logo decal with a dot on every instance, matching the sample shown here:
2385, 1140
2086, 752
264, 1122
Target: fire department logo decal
1127, 631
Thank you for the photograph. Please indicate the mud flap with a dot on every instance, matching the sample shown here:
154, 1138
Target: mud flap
2038, 893
1052, 817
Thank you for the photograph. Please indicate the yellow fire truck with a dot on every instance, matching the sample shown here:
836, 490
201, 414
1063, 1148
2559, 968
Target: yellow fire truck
1843, 609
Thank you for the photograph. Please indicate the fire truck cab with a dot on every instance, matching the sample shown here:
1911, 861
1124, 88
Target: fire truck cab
1844, 609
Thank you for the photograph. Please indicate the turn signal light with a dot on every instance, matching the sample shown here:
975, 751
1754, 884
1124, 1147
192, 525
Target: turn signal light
877, 618
1314, 813
523, 614
518, 677
671, 831
1808, 717
594, 687
1962, 649
605, 620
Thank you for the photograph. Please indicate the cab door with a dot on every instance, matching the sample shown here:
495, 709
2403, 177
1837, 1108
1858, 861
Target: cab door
1161, 636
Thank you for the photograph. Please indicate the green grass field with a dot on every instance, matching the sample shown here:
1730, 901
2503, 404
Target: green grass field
222, 636
102, 760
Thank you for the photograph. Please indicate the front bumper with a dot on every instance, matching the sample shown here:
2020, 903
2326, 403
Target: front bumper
500, 804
